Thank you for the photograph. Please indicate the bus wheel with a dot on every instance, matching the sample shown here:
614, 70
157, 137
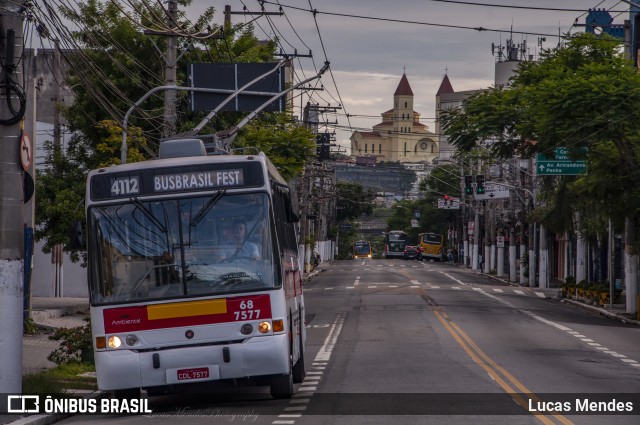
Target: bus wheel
282, 385
298, 369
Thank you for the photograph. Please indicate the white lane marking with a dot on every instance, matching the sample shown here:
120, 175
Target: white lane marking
456, 287
414, 286
290, 415
393, 286
311, 372
497, 290
351, 287
434, 286
299, 401
568, 331
477, 289
540, 294
415, 282
357, 281
518, 292
629, 361
283, 422
305, 388
325, 351
453, 278
372, 286
295, 408
330, 288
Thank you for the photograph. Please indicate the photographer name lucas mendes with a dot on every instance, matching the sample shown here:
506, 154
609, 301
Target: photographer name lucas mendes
582, 405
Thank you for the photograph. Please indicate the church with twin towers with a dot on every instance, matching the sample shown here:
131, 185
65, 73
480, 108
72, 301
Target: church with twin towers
400, 137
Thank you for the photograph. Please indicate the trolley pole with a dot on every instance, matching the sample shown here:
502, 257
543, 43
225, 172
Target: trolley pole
11, 198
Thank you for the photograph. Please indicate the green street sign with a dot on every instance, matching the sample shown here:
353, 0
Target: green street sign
561, 165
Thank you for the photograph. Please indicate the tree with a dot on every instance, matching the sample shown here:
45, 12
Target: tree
113, 64
583, 94
353, 201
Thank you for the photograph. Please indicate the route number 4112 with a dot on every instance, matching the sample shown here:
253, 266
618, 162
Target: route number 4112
125, 186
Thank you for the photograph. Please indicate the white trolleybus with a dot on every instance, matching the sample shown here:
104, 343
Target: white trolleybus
193, 273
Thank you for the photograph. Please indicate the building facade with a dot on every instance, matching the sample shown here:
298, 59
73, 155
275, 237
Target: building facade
400, 137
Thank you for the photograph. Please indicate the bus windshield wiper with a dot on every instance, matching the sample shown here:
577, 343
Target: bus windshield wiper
150, 216
207, 207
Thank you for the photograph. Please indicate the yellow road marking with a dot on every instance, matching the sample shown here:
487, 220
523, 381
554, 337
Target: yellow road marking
492, 368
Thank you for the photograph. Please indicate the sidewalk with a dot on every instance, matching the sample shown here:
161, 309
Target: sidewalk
48, 314
618, 312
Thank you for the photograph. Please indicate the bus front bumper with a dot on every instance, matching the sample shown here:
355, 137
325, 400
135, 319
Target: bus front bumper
125, 369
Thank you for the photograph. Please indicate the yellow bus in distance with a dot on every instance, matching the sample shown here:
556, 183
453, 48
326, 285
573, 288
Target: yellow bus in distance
432, 245
361, 249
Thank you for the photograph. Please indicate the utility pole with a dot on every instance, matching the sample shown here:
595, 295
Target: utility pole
169, 126
11, 198
57, 253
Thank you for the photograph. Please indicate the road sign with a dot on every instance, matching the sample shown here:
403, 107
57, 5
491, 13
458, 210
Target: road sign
471, 227
561, 165
492, 191
449, 203
26, 151
500, 241
414, 223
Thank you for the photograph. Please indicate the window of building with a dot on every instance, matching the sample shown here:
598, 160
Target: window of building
405, 104
405, 148
373, 148
432, 145
365, 148
380, 148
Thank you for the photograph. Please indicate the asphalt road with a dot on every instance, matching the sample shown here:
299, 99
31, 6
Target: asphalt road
392, 341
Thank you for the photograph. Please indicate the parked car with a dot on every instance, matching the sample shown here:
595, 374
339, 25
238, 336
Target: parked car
412, 252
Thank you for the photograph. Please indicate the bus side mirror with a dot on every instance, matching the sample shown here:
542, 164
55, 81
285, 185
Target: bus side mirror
75, 235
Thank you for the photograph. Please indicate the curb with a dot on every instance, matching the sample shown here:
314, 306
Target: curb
601, 311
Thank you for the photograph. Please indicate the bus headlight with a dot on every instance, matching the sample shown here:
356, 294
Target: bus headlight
114, 342
264, 327
131, 340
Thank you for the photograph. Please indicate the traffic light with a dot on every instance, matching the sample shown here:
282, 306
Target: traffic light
468, 181
480, 184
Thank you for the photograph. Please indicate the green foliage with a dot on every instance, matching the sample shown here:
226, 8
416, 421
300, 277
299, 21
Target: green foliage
353, 201
74, 342
29, 327
582, 94
117, 65
56, 381
286, 143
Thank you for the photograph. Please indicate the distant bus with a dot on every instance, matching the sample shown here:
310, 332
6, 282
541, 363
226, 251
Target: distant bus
394, 244
432, 245
361, 249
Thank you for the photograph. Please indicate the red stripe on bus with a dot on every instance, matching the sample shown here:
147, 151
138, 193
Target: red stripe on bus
239, 309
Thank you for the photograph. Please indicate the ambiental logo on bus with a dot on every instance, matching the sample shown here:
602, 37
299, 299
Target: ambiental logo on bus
189, 181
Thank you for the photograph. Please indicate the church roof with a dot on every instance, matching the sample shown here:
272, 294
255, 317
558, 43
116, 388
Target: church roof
404, 89
445, 86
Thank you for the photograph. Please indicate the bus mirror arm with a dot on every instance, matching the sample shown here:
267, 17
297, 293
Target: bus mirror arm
75, 235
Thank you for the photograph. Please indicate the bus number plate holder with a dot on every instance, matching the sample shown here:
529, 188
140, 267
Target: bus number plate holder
194, 374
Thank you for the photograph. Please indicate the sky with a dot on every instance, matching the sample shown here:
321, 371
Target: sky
423, 38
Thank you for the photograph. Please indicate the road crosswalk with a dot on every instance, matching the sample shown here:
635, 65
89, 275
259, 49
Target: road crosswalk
413, 284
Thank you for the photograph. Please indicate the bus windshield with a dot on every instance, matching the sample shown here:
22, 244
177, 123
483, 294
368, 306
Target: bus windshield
361, 248
432, 238
171, 248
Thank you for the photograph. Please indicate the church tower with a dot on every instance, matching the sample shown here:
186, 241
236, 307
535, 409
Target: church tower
400, 137
403, 119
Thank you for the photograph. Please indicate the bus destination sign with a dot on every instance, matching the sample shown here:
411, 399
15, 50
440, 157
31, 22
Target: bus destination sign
202, 180
175, 179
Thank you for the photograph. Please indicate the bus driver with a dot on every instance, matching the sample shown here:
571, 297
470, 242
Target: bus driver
239, 247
